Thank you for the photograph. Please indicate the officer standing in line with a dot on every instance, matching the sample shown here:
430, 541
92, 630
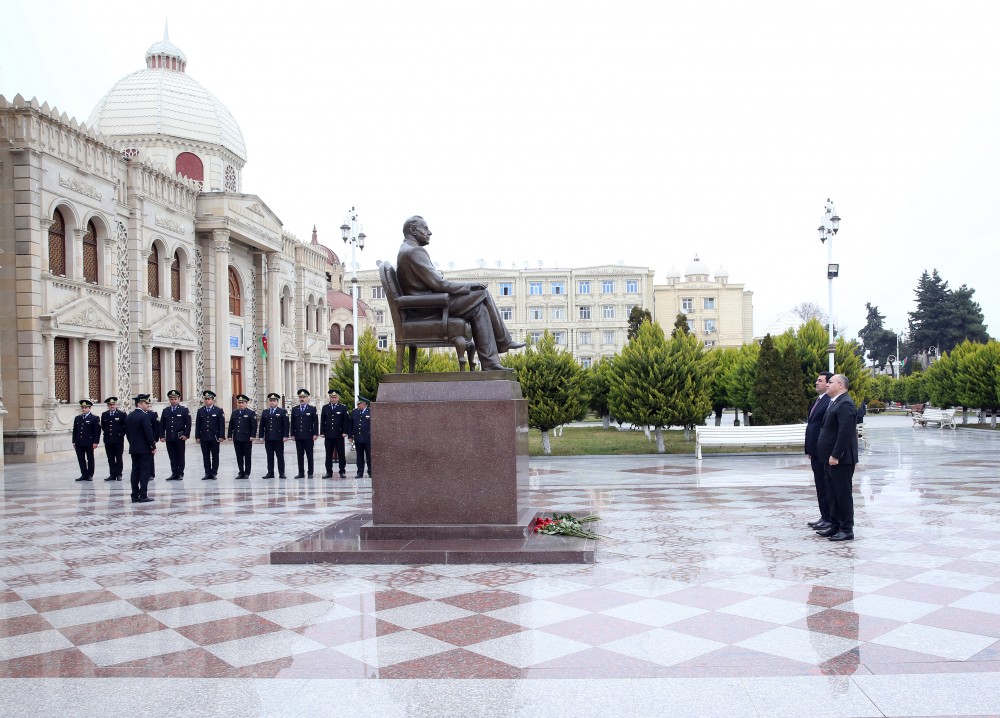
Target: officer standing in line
274, 433
141, 447
335, 424
305, 429
242, 430
113, 428
210, 430
86, 437
176, 423
361, 435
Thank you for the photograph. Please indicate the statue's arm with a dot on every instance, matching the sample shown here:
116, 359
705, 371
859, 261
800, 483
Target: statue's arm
421, 269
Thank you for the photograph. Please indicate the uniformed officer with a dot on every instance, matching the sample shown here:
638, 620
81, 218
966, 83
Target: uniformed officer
335, 424
209, 431
361, 435
86, 437
141, 447
113, 428
242, 430
305, 429
274, 433
176, 424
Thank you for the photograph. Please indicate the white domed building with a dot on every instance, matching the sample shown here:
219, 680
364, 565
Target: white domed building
133, 261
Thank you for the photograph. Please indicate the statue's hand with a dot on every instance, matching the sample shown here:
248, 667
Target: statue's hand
477, 287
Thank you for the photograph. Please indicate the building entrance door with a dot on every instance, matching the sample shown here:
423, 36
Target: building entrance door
236, 377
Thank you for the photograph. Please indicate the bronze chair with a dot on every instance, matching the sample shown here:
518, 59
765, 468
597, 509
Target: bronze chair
420, 332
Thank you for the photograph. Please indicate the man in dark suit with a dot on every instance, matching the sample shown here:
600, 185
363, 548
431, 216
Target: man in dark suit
176, 424
361, 435
210, 431
274, 433
86, 437
242, 431
141, 447
113, 428
838, 448
335, 424
817, 412
305, 429
472, 302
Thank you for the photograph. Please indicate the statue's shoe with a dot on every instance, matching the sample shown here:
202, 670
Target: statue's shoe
495, 367
511, 345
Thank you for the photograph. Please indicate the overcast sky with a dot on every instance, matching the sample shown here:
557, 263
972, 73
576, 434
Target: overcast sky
583, 132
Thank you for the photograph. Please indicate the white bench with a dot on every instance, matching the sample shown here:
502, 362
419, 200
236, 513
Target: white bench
941, 417
783, 435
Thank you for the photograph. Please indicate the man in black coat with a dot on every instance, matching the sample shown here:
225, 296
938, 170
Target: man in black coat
305, 429
242, 432
86, 437
817, 412
361, 435
209, 431
113, 428
175, 422
335, 423
274, 433
141, 447
838, 448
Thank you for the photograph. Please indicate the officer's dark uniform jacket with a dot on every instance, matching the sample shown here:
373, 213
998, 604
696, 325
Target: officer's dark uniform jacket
210, 424
305, 424
361, 426
113, 427
243, 425
335, 421
86, 430
176, 422
273, 426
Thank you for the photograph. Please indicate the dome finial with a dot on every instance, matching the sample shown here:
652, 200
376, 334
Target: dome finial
166, 31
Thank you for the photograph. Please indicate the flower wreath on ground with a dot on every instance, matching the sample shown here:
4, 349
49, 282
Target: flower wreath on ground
566, 525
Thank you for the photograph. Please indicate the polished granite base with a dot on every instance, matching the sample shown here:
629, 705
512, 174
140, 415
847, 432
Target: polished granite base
347, 542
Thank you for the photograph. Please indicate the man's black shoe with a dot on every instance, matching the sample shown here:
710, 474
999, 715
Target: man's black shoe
300, 476
328, 475
82, 478
827, 533
820, 520
242, 476
842, 536
267, 476
207, 477
143, 500
343, 474
282, 477
174, 478
823, 526
118, 478
360, 476
309, 476
110, 478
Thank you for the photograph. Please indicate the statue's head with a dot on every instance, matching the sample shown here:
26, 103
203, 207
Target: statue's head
416, 227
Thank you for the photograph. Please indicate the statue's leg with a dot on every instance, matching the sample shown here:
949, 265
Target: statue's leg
504, 340
482, 335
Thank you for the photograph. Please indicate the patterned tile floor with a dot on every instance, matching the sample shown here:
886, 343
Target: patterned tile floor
709, 595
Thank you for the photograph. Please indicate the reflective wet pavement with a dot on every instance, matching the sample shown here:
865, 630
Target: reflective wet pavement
709, 597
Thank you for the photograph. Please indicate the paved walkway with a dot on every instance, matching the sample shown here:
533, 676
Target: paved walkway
709, 597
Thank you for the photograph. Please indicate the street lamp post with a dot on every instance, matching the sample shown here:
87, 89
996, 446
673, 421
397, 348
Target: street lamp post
827, 229
352, 232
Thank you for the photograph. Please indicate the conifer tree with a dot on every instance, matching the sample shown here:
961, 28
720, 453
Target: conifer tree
553, 383
598, 384
680, 325
724, 364
636, 317
373, 364
739, 383
777, 391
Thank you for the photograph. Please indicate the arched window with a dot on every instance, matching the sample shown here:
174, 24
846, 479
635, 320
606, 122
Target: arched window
60, 357
94, 369
349, 335
335, 334
90, 255
153, 272
190, 165
157, 376
57, 245
286, 300
235, 301
309, 315
175, 278
319, 317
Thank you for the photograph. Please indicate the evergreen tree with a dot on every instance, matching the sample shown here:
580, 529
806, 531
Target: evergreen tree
943, 386
739, 382
553, 383
598, 384
944, 317
680, 325
798, 406
373, 364
777, 388
724, 363
969, 315
636, 317
878, 342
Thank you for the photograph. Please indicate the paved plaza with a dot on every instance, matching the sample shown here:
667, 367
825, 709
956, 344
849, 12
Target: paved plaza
709, 596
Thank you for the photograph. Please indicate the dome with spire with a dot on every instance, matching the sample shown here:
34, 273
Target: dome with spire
697, 270
163, 101
331, 256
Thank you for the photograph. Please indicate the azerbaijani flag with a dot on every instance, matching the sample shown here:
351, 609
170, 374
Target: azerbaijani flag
263, 344
906, 360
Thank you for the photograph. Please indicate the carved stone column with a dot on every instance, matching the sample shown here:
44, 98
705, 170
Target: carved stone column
50, 366
273, 327
74, 254
167, 359
222, 361
81, 371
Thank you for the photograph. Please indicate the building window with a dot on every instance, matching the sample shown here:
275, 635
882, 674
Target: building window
690, 323
586, 362
153, 272
94, 370
708, 303
506, 289
687, 304
585, 312
349, 335
57, 245
709, 343
558, 288
190, 165
628, 309
157, 385
380, 316
286, 301
535, 288
584, 338
175, 278
560, 338
60, 353
179, 372
535, 337
710, 326
535, 314
383, 341
378, 292
608, 311
230, 178
583, 287
608, 286
335, 334
559, 313
90, 261
507, 314
309, 315
235, 300
631, 286
609, 336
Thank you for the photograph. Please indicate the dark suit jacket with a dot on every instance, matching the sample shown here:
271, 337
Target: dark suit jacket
417, 275
176, 422
839, 436
273, 426
139, 431
113, 426
815, 422
361, 426
210, 424
335, 421
305, 425
86, 430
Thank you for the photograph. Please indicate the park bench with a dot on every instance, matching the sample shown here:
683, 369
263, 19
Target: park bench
930, 415
783, 435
